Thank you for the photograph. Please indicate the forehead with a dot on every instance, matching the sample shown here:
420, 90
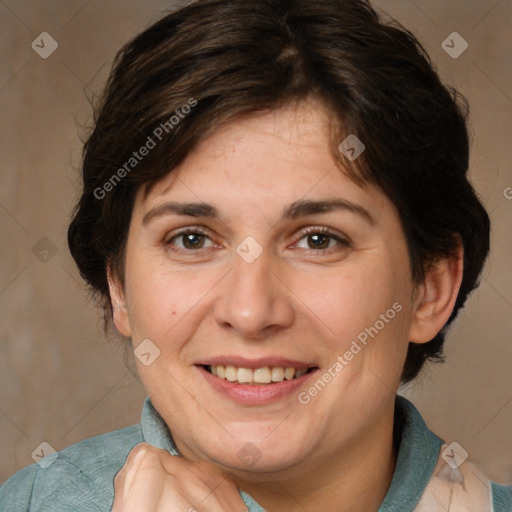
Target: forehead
261, 162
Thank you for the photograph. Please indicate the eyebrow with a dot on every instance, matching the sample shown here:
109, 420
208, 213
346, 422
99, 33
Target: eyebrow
297, 209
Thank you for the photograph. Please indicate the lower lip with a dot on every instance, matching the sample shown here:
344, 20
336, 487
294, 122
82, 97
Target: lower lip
258, 394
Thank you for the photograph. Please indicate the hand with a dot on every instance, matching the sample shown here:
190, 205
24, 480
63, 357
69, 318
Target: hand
153, 480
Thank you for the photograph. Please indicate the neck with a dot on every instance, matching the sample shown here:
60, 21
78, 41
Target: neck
355, 478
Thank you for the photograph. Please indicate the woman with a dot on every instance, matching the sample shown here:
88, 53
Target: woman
276, 214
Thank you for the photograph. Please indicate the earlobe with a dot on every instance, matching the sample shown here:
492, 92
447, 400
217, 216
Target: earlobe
436, 297
118, 301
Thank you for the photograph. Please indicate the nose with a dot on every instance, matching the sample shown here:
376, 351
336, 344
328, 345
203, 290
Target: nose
253, 299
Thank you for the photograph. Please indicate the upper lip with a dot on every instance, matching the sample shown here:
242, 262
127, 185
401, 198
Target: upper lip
242, 362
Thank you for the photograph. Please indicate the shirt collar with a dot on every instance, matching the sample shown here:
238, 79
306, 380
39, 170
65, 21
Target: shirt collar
417, 458
417, 454
155, 430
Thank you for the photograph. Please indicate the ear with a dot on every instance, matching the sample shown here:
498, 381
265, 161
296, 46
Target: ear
436, 297
117, 298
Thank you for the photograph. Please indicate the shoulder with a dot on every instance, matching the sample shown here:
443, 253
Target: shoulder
464, 487
501, 497
80, 477
436, 476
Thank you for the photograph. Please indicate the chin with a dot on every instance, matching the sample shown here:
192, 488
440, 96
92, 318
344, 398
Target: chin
257, 450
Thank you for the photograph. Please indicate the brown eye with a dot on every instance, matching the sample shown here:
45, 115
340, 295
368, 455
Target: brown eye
190, 240
320, 239
193, 240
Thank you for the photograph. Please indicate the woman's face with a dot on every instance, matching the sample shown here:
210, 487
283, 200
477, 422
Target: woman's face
269, 281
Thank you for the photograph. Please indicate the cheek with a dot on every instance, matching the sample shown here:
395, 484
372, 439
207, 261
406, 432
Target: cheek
352, 299
367, 311
163, 304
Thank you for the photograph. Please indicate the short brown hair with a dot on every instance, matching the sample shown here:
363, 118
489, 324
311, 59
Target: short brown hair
234, 57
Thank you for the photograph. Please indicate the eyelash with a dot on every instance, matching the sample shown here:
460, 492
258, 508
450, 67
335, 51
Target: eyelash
304, 233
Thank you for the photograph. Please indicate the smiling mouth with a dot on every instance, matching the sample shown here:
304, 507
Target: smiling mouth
257, 376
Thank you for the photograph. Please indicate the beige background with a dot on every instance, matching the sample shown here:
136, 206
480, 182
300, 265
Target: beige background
60, 380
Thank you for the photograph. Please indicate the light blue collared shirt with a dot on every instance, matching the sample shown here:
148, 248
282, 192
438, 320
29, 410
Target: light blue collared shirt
81, 477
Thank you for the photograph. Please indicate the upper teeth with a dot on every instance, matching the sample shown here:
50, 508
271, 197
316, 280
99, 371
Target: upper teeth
264, 375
